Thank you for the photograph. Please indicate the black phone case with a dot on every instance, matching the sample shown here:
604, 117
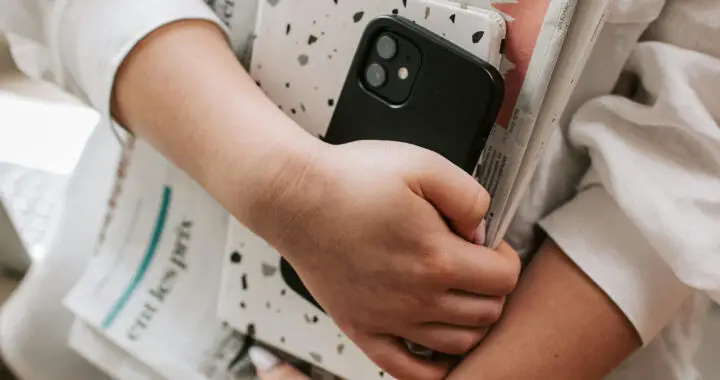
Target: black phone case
451, 109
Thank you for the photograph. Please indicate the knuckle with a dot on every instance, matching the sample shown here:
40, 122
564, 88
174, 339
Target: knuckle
482, 335
505, 285
425, 306
511, 258
515, 264
418, 310
508, 283
510, 275
464, 343
435, 268
482, 199
494, 311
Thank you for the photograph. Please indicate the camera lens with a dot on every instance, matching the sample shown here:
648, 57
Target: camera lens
375, 75
386, 47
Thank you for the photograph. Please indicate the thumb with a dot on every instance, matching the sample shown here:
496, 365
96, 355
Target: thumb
269, 367
457, 196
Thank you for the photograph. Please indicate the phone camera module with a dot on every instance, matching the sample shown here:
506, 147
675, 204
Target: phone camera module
390, 66
386, 47
375, 75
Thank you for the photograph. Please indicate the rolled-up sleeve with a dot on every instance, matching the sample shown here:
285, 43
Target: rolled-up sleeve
89, 39
597, 236
644, 224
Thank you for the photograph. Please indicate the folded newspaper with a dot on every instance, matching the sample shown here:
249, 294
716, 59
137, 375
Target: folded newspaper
514, 149
152, 287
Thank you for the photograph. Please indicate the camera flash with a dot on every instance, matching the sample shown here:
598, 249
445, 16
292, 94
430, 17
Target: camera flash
403, 73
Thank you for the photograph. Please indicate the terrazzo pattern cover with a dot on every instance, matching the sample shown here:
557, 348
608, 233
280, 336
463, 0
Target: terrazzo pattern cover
303, 50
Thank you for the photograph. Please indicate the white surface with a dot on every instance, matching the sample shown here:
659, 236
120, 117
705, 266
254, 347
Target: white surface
34, 325
34, 200
43, 135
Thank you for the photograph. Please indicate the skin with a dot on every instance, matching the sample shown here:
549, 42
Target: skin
404, 267
533, 340
586, 341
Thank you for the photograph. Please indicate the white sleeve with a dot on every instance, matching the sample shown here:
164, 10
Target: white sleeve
645, 226
593, 231
88, 39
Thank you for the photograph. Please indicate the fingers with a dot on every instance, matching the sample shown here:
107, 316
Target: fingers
283, 371
480, 270
456, 195
446, 339
269, 367
393, 356
459, 308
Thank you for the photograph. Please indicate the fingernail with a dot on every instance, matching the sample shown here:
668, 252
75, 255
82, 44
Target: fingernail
480, 233
262, 359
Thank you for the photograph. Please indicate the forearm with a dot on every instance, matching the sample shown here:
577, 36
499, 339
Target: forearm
184, 91
557, 325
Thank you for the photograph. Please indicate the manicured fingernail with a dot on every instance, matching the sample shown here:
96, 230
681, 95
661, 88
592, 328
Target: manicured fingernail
262, 359
480, 234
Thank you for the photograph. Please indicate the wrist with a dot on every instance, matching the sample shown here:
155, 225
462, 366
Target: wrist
210, 118
280, 186
258, 154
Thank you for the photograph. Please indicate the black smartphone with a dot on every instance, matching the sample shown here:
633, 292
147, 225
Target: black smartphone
410, 85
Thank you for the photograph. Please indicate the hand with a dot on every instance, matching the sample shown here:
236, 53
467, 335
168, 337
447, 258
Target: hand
366, 227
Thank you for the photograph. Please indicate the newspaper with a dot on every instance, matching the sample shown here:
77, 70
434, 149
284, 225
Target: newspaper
98, 349
588, 21
152, 288
536, 33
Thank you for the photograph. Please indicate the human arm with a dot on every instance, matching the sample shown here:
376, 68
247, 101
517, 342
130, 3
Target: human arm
557, 325
182, 89
222, 150
534, 340
641, 225
176, 83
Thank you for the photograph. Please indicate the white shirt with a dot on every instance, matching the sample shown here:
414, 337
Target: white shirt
630, 190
